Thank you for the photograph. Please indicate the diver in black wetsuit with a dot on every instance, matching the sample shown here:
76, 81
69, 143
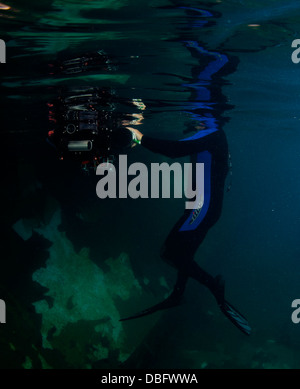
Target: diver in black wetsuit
208, 146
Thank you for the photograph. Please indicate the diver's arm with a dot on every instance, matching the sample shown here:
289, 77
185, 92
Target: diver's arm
169, 148
174, 149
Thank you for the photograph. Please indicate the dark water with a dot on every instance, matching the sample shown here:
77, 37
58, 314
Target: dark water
72, 264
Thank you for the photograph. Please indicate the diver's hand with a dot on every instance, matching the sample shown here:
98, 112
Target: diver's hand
137, 133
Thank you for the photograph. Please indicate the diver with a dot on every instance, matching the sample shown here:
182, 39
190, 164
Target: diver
209, 146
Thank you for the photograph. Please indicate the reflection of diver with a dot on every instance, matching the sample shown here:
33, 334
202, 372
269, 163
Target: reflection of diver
208, 146
86, 127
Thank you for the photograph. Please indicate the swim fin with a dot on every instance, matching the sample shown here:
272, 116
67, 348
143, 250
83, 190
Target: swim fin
235, 317
169, 302
175, 299
232, 313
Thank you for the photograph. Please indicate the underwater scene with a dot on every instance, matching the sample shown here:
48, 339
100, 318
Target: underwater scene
101, 272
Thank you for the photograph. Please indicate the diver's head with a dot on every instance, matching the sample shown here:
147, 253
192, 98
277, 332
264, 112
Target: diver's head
121, 138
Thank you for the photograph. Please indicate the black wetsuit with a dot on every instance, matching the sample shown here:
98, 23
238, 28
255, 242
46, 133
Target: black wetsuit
209, 147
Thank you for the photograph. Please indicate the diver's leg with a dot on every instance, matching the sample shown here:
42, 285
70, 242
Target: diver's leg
188, 268
179, 287
179, 250
172, 300
214, 284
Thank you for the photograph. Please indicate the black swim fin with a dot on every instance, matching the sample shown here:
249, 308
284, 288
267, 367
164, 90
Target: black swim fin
235, 317
169, 302
232, 313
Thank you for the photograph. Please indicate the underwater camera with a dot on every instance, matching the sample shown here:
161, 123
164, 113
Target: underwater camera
85, 127
97, 60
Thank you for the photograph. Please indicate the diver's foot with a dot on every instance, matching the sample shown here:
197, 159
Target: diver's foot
236, 317
173, 300
229, 311
219, 289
